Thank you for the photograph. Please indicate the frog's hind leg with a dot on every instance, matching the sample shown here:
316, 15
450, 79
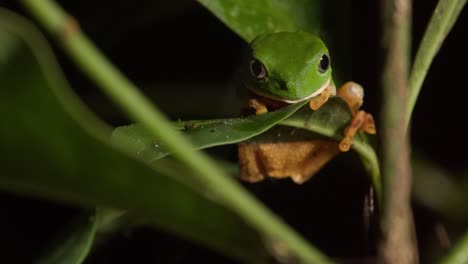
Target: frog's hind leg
250, 165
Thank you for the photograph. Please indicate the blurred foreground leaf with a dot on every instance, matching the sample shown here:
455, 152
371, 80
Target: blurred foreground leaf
440, 190
52, 147
74, 243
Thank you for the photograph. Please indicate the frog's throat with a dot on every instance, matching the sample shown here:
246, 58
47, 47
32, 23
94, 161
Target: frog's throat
277, 98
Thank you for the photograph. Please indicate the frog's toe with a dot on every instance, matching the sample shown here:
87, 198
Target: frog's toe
345, 144
369, 124
315, 104
355, 126
261, 110
260, 107
353, 94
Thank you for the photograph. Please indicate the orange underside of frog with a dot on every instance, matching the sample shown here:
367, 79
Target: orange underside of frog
300, 160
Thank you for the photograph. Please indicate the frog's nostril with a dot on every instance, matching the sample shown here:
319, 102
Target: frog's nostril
283, 85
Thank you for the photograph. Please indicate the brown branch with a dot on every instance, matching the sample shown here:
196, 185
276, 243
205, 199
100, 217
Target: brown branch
398, 244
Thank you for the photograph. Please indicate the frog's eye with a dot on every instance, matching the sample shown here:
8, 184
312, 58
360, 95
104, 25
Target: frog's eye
257, 69
324, 63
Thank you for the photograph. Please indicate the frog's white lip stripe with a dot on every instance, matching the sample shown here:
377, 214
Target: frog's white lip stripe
276, 98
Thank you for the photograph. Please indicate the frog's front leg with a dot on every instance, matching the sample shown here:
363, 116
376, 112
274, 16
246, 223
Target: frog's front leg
322, 98
353, 94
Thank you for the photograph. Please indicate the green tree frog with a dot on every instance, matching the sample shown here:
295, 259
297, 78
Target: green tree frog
289, 67
286, 68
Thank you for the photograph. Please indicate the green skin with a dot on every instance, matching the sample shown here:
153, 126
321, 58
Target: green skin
291, 60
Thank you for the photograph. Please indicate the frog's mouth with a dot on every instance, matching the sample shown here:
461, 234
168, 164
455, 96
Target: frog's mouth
277, 98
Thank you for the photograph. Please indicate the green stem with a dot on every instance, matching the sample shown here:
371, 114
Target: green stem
459, 254
141, 110
398, 240
442, 21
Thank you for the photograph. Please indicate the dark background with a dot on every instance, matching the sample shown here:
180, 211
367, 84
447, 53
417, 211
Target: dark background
184, 59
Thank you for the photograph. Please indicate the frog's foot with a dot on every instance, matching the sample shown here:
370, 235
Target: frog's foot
361, 121
353, 94
322, 98
260, 107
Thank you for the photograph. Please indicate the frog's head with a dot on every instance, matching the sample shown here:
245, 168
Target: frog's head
289, 66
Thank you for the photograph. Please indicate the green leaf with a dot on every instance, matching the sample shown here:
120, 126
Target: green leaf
74, 243
330, 121
52, 147
202, 133
251, 18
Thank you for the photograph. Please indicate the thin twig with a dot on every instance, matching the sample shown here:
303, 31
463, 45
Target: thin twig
442, 21
398, 240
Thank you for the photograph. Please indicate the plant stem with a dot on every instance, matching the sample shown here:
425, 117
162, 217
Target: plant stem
442, 21
141, 110
398, 240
